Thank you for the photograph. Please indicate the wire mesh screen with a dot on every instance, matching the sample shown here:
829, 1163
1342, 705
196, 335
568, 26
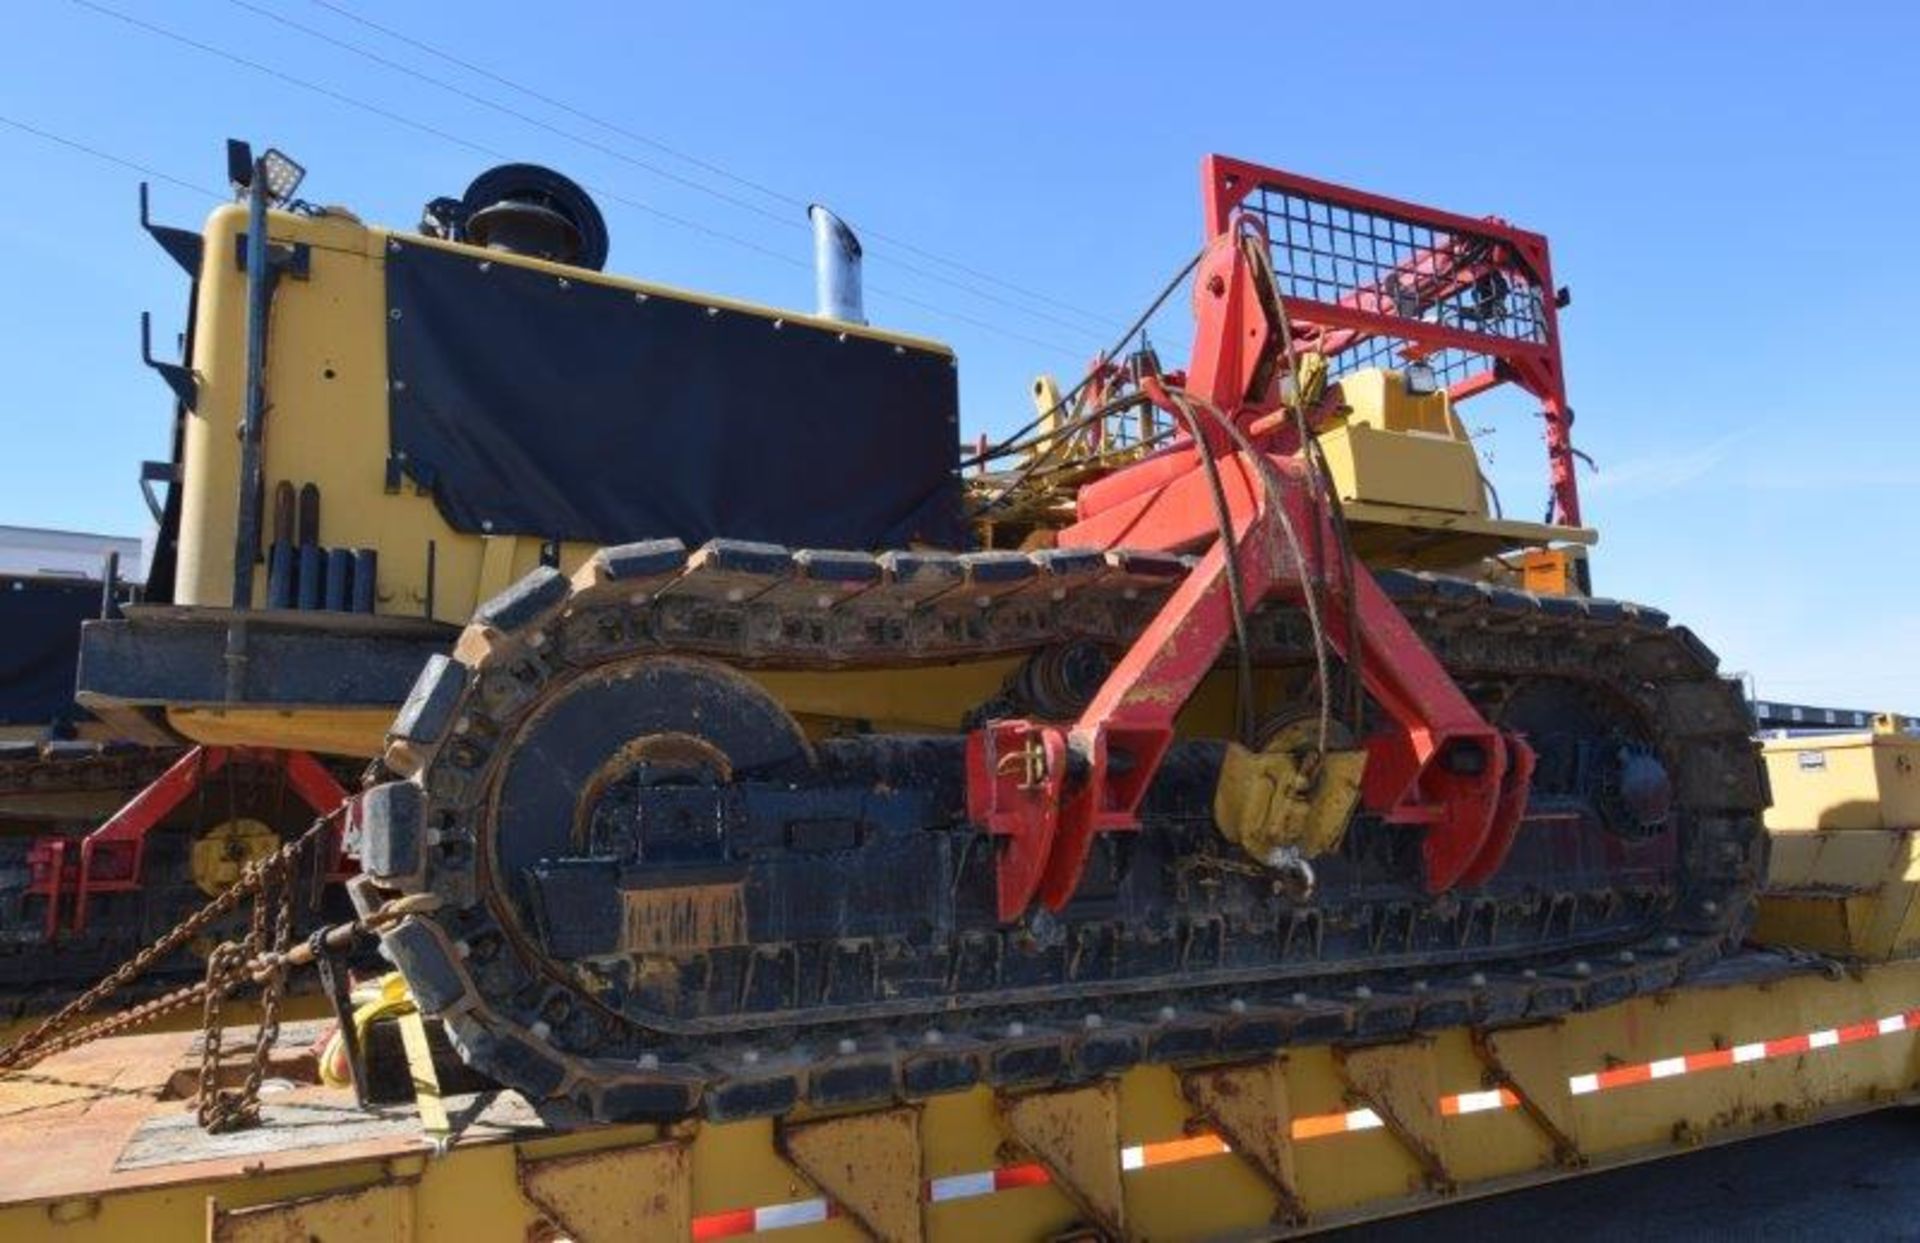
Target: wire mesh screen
1382, 263
1449, 365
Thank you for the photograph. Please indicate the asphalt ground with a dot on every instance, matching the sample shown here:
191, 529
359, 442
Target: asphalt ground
1854, 1179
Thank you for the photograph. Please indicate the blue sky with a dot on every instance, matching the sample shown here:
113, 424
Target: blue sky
1730, 192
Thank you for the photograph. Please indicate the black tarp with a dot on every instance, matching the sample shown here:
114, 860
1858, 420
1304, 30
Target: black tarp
40, 618
576, 410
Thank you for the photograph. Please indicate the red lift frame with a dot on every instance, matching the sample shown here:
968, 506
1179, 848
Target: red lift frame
1047, 788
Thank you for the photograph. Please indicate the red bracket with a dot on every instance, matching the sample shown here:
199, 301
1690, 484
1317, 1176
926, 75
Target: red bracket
112, 857
1016, 772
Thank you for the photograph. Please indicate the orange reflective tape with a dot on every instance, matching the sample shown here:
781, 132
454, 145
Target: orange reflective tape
1319, 1126
1174, 1151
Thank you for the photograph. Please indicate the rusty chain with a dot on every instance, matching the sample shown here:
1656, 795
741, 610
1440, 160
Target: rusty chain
266, 955
219, 1110
232, 962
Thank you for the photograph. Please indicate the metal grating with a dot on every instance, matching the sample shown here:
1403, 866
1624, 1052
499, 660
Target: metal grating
1372, 260
1451, 366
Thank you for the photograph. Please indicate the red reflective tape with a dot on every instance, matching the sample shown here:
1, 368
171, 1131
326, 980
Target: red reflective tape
1787, 1045
1031, 1175
1859, 1031
1621, 1076
1712, 1059
723, 1225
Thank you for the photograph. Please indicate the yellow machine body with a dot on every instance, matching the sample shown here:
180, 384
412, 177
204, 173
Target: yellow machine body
327, 380
327, 425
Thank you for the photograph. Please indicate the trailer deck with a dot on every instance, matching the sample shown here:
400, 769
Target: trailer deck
100, 1142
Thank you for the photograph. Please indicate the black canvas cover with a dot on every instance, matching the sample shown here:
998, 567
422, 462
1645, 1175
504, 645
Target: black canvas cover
570, 409
41, 619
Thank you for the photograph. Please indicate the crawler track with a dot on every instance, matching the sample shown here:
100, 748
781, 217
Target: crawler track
35, 772
1176, 949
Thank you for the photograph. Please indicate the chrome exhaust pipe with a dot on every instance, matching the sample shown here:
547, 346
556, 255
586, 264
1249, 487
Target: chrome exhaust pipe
836, 268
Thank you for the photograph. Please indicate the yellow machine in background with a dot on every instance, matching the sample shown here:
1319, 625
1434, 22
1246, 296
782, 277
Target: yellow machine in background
1844, 873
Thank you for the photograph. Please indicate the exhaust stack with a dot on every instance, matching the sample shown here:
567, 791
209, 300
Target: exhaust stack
836, 268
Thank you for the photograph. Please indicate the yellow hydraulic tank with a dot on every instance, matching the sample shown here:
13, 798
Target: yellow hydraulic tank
1395, 446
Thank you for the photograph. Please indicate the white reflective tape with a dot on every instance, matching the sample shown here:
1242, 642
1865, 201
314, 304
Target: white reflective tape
1363, 1120
1892, 1023
960, 1186
1133, 1158
1823, 1039
781, 1216
1749, 1052
1580, 1085
1477, 1102
1668, 1067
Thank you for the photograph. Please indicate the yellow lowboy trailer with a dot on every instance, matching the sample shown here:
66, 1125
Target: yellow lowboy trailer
1810, 1024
